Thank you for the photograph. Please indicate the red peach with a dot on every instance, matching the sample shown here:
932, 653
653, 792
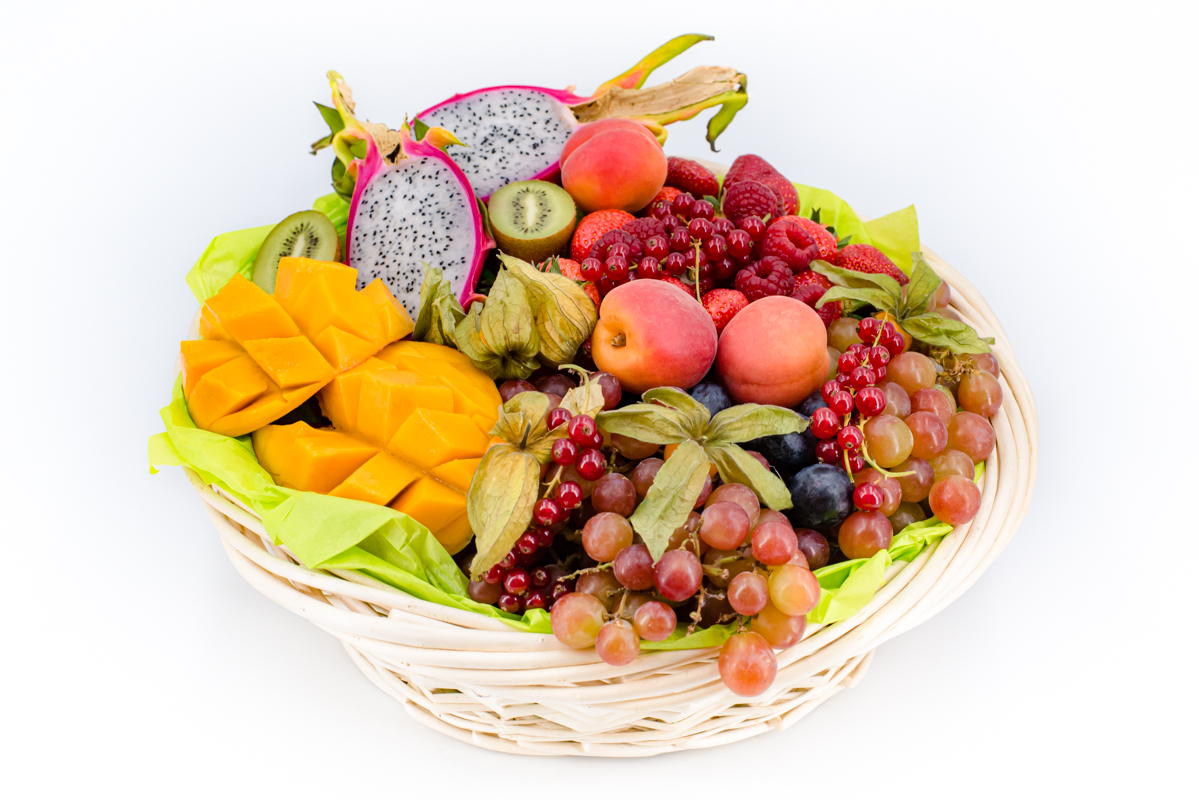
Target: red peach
774, 352
584, 133
650, 334
615, 169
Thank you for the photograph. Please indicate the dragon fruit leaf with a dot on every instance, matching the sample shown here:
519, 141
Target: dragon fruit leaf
635, 76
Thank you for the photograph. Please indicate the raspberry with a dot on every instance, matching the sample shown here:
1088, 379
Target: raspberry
691, 176
747, 167
784, 189
824, 240
864, 258
600, 248
809, 290
722, 305
766, 277
645, 227
592, 227
750, 199
791, 242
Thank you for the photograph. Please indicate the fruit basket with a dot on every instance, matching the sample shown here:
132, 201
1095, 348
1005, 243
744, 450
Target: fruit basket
750, 485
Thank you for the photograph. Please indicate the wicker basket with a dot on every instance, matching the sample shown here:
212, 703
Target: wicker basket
476, 679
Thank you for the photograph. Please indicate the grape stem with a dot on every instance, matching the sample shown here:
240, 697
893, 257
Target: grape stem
587, 570
553, 484
870, 461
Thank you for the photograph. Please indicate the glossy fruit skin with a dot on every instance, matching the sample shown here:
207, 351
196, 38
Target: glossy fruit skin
617, 644
634, 568
725, 525
591, 466
912, 371
951, 462
576, 620
972, 434
564, 452
788, 452
614, 493
632, 449
742, 496
907, 514
677, 575
898, 403
889, 440
934, 401
863, 534
712, 396
774, 543
981, 393
955, 500
814, 547
601, 585
605, 535
914, 488
748, 593
747, 664
929, 434
794, 589
510, 389
811, 403
821, 497
644, 473
619, 169
778, 629
654, 621
773, 352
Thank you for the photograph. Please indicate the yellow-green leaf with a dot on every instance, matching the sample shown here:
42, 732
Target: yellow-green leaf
500, 503
752, 421
647, 423
737, 466
440, 312
671, 497
697, 413
562, 312
924, 282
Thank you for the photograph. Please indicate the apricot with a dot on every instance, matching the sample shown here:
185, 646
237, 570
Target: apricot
650, 334
618, 168
584, 133
773, 352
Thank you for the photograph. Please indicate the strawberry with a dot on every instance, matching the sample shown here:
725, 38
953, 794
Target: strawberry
722, 305
864, 258
810, 277
768, 276
684, 288
594, 294
574, 270
784, 188
824, 240
592, 227
750, 198
691, 176
666, 194
747, 167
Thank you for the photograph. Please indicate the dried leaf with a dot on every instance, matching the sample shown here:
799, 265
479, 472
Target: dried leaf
440, 312
737, 466
561, 311
924, 282
647, 423
752, 421
500, 503
671, 497
697, 413
499, 337
586, 399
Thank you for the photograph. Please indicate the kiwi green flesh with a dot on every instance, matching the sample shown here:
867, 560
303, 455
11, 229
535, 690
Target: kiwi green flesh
531, 220
306, 234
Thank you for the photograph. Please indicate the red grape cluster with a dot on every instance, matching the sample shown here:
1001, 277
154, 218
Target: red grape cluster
853, 397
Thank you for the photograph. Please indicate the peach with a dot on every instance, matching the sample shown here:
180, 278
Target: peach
650, 334
773, 352
584, 132
618, 168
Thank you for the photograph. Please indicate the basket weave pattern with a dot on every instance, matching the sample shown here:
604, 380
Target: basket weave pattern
476, 679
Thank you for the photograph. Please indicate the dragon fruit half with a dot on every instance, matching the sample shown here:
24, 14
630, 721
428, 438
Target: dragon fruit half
515, 133
411, 207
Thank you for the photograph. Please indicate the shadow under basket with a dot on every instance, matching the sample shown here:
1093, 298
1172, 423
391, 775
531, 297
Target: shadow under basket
480, 681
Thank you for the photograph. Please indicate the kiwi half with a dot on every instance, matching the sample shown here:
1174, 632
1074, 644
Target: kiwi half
307, 234
531, 220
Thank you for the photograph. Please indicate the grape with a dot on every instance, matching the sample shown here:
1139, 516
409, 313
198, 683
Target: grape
787, 452
778, 629
554, 384
610, 387
576, 619
747, 664
748, 594
677, 575
632, 449
484, 591
793, 589
940, 296
725, 525
616, 643
821, 496
864, 534
614, 493
770, 515
929, 434
891, 488
761, 459
952, 462
889, 441
590, 463
936, 401
955, 500
606, 534
912, 371
971, 434
774, 543
986, 361
714, 610
644, 473
634, 568
681, 538
727, 560
898, 403
602, 585
740, 494
654, 621
980, 393
906, 515
704, 492
630, 602
814, 547
914, 488
510, 389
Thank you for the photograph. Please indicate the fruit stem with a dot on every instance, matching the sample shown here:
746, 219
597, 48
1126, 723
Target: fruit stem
553, 484
619, 340
695, 274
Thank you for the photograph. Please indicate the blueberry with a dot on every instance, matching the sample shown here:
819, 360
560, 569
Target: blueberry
811, 403
821, 497
789, 452
713, 396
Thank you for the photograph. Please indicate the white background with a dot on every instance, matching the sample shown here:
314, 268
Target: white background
1050, 150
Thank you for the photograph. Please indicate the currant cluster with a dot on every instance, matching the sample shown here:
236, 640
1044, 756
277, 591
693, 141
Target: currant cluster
516, 583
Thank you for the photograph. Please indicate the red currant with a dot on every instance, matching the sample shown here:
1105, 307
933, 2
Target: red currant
618, 249
682, 204
724, 226
861, 377
592, 269
616, 268
702, 209
547, 511
659, 209
564, 452
510, 603
536, 599
893, 342
495, 574
755, 227
879, 356
841, 402
670, 222
828, 390
847, 363
856, 463
508, 561
556, 417
581, 429
725, 268
740, 244
859, 351
545, 536
879, 374
825, 423
517, 581
591, 464
675, 264
570, 495
701, 229
527, 543
870, 401
850, 438
655, 247
680, 239
868, 329
557, 592
715, 247
828, 452
649, 267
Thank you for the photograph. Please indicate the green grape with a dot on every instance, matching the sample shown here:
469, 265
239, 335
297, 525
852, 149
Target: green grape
888, 440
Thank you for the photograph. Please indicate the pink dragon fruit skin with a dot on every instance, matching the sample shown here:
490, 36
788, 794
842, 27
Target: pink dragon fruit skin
411, 206
516, 132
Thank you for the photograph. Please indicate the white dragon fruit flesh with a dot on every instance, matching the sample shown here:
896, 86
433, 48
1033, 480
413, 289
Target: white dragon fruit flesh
412, 207
516, 133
